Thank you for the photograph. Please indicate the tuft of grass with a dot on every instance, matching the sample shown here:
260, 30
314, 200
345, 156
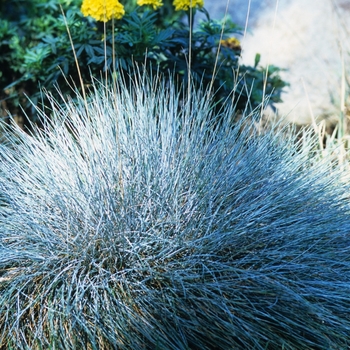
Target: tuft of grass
134, 220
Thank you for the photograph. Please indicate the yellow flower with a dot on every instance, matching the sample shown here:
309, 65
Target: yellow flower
232, 43
186, 4
154, 3
102, 10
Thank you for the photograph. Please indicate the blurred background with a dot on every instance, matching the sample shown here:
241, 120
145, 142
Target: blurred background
310, 39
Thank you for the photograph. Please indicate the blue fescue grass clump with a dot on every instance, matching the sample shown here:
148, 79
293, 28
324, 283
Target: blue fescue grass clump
140, 219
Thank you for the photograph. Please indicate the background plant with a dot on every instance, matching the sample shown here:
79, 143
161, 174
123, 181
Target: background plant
37, 51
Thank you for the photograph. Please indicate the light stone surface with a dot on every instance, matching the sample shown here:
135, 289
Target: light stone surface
306, 37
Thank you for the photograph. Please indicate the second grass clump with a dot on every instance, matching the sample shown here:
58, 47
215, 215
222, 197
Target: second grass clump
139, 219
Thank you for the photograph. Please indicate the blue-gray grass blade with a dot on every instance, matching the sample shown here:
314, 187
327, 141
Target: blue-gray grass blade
149, 222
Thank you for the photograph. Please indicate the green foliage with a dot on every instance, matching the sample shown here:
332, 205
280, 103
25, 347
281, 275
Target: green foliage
33, 39
37, 52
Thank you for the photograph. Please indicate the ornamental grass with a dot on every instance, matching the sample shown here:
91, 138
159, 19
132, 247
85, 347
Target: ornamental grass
141, 219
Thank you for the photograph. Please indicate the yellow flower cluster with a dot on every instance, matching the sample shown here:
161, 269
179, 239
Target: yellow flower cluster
232, 43
154, 3
102, 10
105, 10
186, 4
